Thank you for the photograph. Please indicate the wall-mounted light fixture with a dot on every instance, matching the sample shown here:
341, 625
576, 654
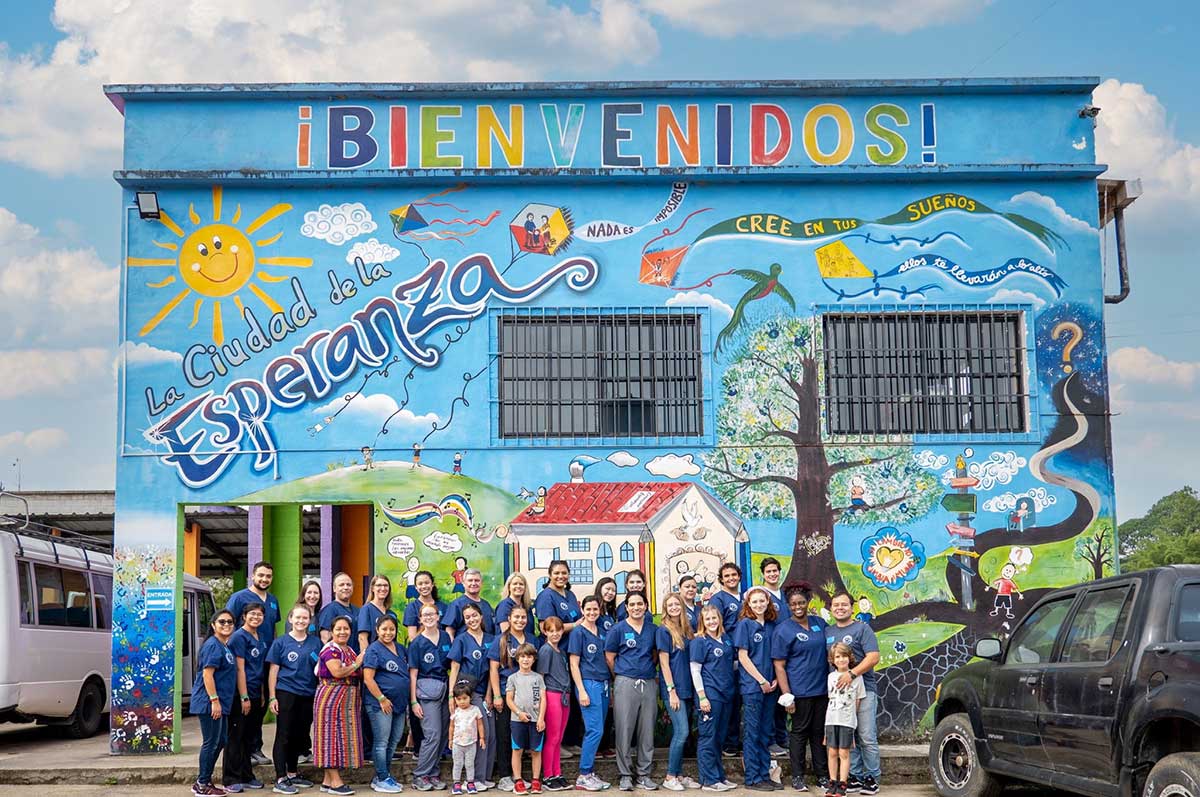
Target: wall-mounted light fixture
147, 204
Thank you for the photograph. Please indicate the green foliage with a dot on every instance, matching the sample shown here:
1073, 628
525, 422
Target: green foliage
1168, 534
222, 588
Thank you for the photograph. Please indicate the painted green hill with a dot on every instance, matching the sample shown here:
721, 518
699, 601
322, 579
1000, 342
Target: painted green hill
437, 541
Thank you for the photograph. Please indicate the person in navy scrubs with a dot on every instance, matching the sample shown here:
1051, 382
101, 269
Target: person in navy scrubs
291, 685
801, 667
632, 655
712, 654
756, 682
212, 697
469, 661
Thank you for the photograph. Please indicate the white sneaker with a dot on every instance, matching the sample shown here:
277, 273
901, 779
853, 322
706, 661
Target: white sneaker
672, 784
506, 784
587, 783
729, 784
689, 783
714, 787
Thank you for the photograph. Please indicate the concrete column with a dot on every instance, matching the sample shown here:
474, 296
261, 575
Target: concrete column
284, 545
191, 549
326, 549
254, 539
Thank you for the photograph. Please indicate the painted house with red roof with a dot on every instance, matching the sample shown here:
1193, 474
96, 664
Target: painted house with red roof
665, 529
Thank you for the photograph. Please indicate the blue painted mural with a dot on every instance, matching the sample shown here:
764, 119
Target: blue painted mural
348, 292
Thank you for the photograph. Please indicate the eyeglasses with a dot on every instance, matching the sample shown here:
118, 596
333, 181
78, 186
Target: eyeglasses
224, 622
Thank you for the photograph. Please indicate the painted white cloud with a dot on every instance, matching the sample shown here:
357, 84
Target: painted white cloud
377, 407
1138, 364
53, 117
1011, 296
622, 459
50, 373
36, 441
1135, 139
145, 354
699, 299
999, 468
441, 541
1006, 502
1059, 217
336, 224
728, 18
673, 466
929, 460
372, 250
52, 294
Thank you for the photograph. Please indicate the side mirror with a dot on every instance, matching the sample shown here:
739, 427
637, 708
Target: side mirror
988, 649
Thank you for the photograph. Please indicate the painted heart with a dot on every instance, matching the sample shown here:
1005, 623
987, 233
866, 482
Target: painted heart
889, 557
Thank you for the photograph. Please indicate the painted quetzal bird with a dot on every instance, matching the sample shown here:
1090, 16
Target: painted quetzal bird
762, 286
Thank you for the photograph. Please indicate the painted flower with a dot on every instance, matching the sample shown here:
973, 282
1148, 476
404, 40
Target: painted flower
900, 646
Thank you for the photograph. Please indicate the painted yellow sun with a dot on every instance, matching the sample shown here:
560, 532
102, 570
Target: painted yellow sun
215, 261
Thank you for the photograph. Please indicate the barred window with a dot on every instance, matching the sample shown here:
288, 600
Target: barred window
592, 374
951, 372
579, 544
581, 570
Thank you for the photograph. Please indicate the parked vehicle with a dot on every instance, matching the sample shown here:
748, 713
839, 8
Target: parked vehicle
55, 629
1097, 691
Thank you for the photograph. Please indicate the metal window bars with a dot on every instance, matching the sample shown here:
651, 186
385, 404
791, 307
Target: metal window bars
943, 372
594, 373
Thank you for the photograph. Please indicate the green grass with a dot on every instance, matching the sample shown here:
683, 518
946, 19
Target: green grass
1054, 565
917, 638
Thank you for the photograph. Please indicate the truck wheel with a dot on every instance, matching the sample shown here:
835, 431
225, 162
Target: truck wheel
954, 763
85, 720
1176, 775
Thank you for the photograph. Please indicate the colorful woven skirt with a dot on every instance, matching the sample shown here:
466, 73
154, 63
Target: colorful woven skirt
337, 725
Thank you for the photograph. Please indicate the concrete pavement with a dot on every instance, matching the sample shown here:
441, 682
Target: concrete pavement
177, 790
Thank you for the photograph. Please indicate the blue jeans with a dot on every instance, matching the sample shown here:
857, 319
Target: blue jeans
864, 756
679, 733
713, 727
758, 713
593, 724
213, 734
388, 730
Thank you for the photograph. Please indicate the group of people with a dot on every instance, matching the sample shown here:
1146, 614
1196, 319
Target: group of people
752, 673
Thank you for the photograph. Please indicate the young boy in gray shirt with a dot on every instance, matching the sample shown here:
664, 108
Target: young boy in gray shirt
525, 695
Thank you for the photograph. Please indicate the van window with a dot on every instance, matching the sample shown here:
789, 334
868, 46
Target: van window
26, 607
63, 597
101, 600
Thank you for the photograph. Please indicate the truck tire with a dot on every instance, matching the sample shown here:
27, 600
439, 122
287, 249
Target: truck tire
954, 762
89, 710
1176, 775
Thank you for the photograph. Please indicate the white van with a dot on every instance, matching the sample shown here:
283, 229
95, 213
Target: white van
55, 629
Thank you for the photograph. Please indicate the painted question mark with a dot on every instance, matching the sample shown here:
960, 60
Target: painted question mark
1076, 333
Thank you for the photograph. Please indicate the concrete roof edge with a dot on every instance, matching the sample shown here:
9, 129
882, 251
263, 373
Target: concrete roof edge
118, 92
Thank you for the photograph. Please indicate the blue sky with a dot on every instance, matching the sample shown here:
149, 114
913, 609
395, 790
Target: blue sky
60, 141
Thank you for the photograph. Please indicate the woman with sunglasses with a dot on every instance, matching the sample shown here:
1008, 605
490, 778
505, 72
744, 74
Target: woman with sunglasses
212, 698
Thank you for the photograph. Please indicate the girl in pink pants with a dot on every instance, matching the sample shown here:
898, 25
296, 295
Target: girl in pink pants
552, 664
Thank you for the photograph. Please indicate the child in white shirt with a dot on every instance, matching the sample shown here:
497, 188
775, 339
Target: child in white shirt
466, 725
841, 717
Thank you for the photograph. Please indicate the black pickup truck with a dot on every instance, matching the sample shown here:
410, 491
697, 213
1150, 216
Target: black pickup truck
1097, 691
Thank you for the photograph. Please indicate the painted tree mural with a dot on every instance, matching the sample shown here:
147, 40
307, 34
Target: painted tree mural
772, 459
1095, 547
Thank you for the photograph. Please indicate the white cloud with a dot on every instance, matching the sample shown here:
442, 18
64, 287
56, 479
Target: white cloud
729, 18
1006, 502
622, 459
145, 354
673, 466
54, 118
1135, 139
377, 407
336, 224
999, 468
49, 372
1010, 296
1060, 217
1138, 364
372, 251
38, 440
929, 460
52, 294
441, 541
697, 298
